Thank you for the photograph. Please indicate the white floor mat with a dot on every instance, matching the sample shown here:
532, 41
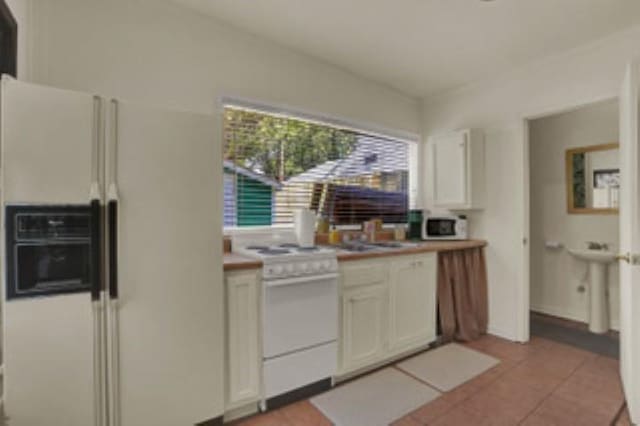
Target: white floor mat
448, 366
374, 400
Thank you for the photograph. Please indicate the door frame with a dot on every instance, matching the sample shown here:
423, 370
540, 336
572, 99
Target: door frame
524, 287
8, 43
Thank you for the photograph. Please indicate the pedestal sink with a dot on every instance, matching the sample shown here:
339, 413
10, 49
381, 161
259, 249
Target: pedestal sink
598, 261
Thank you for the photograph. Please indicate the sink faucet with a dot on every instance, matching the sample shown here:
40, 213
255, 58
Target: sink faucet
594, 245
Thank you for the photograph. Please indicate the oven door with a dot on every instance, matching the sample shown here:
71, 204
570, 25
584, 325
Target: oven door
47, 268
299, 313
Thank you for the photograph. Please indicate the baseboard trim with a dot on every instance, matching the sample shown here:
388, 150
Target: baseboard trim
500, 332
241, 412
299, 394
216, 421
561, 313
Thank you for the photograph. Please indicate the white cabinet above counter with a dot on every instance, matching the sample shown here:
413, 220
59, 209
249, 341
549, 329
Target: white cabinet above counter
457, 170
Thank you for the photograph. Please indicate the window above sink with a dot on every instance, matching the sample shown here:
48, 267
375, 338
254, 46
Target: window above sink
275, 163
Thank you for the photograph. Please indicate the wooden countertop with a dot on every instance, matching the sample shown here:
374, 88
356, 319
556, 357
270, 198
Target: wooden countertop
234, 261
423, 247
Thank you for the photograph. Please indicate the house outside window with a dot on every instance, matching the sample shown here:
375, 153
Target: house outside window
276, 164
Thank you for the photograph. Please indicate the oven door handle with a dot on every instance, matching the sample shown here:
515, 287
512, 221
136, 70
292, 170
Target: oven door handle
299, 280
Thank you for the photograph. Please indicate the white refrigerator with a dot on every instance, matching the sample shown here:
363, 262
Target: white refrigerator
144, 345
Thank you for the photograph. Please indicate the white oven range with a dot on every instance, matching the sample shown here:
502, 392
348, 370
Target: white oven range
300, 317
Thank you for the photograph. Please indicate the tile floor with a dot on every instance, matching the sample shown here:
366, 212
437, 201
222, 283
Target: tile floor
563, 322
539, 383
575, 334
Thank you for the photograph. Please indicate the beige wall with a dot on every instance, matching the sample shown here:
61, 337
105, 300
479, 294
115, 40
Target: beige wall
156, 52
499, 105
555, 274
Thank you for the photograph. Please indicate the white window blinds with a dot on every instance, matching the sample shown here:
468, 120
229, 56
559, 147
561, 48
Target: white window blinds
274, 165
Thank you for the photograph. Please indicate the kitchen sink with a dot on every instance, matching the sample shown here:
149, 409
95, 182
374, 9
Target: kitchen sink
388, 245
357, 247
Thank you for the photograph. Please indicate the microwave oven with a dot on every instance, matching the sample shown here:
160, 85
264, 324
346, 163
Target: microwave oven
444, 228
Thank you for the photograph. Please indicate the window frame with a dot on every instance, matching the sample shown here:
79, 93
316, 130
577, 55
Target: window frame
413, 139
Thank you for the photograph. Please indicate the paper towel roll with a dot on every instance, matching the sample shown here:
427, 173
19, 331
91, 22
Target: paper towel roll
304, 223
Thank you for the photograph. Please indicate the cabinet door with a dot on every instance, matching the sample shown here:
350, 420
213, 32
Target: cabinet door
363, 313
450, 169
412, 302
243, 355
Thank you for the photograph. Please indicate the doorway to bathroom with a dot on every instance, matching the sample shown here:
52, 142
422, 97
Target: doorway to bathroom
574, 182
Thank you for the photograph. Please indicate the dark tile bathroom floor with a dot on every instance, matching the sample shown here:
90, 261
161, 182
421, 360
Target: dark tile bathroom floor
575, 334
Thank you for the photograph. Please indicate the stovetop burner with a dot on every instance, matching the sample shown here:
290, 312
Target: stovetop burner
285, 251
273, 252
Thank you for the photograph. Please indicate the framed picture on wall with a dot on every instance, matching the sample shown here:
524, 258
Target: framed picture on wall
606, 178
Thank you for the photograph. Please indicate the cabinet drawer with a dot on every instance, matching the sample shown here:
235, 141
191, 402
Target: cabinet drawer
428, 260
364, 274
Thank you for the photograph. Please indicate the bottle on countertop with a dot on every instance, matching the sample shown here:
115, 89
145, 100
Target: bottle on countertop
369, 229
415, 224
322, 224
400, 232
334, 235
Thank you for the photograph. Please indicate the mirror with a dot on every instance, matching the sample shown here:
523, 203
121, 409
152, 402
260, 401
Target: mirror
593, 179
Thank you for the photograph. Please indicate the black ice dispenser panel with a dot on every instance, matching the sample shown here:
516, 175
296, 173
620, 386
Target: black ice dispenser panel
48, 250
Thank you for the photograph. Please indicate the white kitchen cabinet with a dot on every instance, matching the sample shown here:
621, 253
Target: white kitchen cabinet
412, 301
457, 170
388, 309
243, 381
364, 318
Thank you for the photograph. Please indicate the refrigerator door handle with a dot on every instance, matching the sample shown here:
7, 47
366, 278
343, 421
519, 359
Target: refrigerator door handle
112, 209
98, 314
95, 195
99, 394
114, 367
112, 203
114, 364
97, 268
96, 250
112, 258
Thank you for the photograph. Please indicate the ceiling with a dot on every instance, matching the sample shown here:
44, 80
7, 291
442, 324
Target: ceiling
421, 47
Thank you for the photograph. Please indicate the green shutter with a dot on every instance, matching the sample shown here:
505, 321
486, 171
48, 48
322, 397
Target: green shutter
254, 202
